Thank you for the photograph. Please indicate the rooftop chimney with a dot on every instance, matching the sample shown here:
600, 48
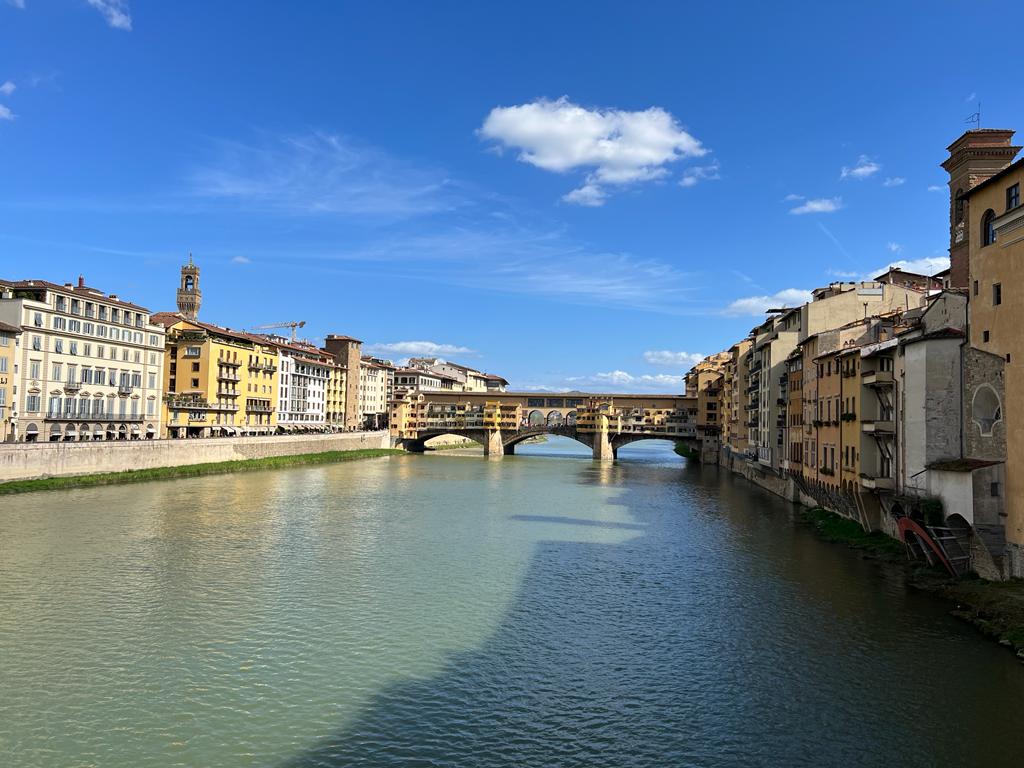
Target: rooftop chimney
81, 281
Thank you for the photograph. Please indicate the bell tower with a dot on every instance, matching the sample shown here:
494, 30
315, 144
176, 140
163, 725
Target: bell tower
977, 155
189, 295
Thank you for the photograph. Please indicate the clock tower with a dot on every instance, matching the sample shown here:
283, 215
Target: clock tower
189, 295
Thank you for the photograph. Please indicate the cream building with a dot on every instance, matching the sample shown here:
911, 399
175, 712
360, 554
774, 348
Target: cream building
304, 374
9, 337
376, 390
90, 365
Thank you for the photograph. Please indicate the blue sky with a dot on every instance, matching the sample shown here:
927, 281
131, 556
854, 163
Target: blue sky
581, 195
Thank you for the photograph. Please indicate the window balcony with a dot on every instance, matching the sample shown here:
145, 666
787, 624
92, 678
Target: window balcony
878, 427
877, 483
228, 377
877, 378
125, 389
72, 386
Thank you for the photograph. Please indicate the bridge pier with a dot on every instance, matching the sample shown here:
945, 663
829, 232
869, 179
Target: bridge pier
492, 444
510, 449
603, 450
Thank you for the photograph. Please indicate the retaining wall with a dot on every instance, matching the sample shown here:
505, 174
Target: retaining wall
27, 461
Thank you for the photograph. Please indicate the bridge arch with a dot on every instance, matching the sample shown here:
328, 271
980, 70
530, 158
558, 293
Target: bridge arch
535, 418
555, 419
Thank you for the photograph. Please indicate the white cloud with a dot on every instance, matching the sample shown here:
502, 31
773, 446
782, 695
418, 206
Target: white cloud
419, 349
17, 3
819, 205
241, 260
793, 198
615, 146
928, 265
894, 247
936, 188
320, 174
115, 12
758, 305
692, 176
619, 380
589, 194
894, 181
7, 88
673, 359
5, 113
864, 168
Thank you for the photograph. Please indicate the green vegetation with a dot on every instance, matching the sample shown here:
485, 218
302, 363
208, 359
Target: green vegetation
685, 451
832, 527
453, 446
191, 470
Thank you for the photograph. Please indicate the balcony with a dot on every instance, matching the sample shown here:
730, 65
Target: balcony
228, 377
125, 389
879, 427
109, 417
877, 483
877, 378
229, 363
72, 386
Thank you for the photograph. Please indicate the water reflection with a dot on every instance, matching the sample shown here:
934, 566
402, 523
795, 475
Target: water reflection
442, 610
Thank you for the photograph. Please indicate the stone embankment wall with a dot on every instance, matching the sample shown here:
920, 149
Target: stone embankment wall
28, 461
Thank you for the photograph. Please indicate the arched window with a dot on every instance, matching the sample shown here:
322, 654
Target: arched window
189, 283
986, 410
988, 230
959, 202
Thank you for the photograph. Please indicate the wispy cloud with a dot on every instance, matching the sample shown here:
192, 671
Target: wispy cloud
864, 168
894, 181
818, 205
791, 198
5, 113
17, 3
115, 12
894, 247
937, 188
971, 96
673, 359
321, 174
927, 265
623, 380
7, 88
545, 264
615, 147
419, 349
758, 305
693, 176
241, 260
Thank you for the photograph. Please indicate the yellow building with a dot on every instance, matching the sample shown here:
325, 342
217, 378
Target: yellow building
337, 383
8, 366
988, 217
218, 382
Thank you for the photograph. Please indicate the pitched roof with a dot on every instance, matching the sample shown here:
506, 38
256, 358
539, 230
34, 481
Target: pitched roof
82, 291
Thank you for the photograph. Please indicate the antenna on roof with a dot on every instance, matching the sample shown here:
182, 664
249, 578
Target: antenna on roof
975, 118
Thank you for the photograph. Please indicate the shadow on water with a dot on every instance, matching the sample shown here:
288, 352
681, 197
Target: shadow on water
719, 637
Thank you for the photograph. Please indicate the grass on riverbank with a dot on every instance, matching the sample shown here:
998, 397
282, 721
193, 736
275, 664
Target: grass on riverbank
996, 608
454, 446
682, 449
836, 528
191, 470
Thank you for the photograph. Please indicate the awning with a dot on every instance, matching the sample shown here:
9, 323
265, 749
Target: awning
98, 431
228, 430
31, 429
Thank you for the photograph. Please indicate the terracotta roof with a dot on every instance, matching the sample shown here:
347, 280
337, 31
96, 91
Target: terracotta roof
962, 465
343, 337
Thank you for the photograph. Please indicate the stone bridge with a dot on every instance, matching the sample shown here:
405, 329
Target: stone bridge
500, 421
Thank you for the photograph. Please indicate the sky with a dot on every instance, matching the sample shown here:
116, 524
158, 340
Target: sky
587, 195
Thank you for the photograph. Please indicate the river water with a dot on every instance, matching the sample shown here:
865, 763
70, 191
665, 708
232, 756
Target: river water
442, 610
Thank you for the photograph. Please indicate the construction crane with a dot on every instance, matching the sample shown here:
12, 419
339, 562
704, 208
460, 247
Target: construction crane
294, 325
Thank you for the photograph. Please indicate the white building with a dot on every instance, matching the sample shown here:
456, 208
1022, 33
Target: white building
89, 366
303, 373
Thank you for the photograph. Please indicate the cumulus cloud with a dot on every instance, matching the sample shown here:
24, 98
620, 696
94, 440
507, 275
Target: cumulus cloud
818, 205
5, 113
615, 147
864, 168
673, 359
894, 181
7, 88
758, 305
693, 176
419, 349
115, 12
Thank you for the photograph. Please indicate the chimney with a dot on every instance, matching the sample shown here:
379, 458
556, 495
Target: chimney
81, 281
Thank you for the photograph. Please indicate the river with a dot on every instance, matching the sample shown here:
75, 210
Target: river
444, 610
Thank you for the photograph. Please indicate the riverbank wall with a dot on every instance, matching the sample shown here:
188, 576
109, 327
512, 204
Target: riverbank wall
31, 461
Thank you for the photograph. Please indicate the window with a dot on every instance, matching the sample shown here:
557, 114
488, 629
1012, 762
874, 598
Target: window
58, 346
997, 294
195, 367
3, 365
37, 343
975, 288
37, 320
994, 490
56, 372
988, 229
32, 403
33, 369
984, 336
1013, 197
